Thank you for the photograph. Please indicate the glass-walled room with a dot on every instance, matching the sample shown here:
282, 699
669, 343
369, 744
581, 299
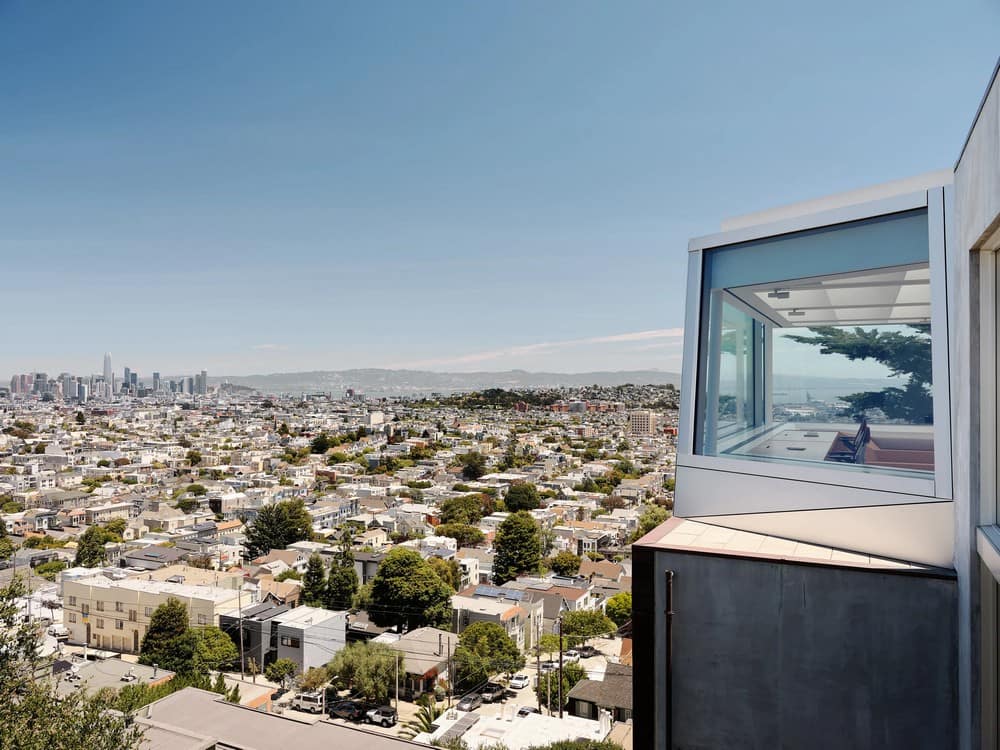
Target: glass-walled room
815, 348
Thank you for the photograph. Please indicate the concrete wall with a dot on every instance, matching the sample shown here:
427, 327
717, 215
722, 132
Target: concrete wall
768, 654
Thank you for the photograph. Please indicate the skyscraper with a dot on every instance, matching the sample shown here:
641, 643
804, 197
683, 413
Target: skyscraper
109, 375
156, 382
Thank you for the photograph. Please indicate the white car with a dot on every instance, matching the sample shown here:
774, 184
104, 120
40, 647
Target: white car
519, 681
571, 656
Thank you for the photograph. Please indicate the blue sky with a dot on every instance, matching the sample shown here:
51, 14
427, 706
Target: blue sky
262, 187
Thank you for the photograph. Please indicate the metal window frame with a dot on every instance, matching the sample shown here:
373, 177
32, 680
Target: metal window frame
907, 489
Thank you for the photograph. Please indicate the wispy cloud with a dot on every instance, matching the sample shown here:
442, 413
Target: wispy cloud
269, 347
547, 347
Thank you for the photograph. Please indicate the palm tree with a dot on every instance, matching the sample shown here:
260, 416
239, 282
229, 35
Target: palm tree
424, 720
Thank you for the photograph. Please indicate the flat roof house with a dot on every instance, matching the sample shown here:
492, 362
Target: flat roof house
830, 577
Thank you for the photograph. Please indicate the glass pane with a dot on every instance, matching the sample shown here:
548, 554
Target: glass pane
833, 369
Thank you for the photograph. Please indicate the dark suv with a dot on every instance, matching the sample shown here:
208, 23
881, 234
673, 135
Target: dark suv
350, 710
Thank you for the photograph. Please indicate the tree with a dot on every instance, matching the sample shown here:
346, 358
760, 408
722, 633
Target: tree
521, 496
518, 547
651, 517
320, 444
278, 525
464, 534
466, 509
903, 354
367, 668
407, 591
170, 642
313, 679
33, 716
289, 574
214, 651
280, 670
80, 419
193, 457
49, 570
473, 465
283, 429
90, 548
547, 689
582, 624
314, 581
448, 571
484, 650
548, 644
619, 608
423, 720
6, 545
341, 586
565, 563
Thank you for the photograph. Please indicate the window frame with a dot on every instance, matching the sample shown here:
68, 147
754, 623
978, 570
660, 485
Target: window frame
937, 486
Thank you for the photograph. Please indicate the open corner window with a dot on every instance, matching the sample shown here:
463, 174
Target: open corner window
815, 348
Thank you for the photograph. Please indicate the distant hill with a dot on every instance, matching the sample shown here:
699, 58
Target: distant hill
376, 382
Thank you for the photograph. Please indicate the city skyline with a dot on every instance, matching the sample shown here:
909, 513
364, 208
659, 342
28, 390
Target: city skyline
352, 197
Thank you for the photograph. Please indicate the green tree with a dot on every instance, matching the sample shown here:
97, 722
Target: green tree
521, 496
565, 563
518, 547
280, 670
548, 644
170, 642
80, 419
49, 570
448, 571
341, 586
367, 668
619, 608
6, 545
90, 548
651, 517
214, 650
290, 574
473, 465
278, 525
547, 689
314, 581
484, 650
313, 679
464, 534
194, 457
582, 624
903, 354
407, 591
466, 509
320, 444
283, 429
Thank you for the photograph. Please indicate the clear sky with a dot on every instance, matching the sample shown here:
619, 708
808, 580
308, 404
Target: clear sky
264, 187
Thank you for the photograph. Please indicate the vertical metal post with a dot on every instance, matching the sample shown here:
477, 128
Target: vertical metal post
243, 662
538, 661
669, 691
560, 667
397, 683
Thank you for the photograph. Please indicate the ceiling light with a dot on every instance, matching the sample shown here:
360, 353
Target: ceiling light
778, 294
796, 313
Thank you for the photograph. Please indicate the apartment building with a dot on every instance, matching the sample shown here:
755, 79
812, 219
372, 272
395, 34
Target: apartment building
641, 423
830, 578
115, 614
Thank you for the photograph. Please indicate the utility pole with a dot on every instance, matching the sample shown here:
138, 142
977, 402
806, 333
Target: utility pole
397, 683
538, 660
451, 673
560, 667
239, 600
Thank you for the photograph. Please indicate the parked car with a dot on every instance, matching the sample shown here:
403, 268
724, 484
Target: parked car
571, 656
311, 702
586, 652
384, 715
470, 702
59, 632
548, 666
525, 710
492, 692
519, 681
350, 710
